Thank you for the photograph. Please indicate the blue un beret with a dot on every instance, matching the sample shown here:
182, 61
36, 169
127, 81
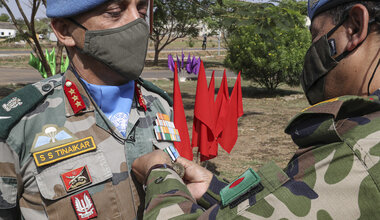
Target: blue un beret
69, 8
316, 7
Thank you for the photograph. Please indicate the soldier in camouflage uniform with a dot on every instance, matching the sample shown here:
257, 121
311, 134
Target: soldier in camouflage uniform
335, 173
61, 157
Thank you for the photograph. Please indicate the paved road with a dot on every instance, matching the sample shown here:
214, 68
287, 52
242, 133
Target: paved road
30, 75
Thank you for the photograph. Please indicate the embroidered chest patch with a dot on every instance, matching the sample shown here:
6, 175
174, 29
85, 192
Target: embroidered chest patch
84, 206
51, 136
64, 151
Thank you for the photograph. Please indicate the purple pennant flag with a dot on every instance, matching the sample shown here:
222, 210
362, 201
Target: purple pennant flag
193, 64
188, 64
178, 64
183, 60
171, 62
198, 66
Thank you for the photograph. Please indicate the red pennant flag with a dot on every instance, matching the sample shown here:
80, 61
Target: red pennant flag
239, 97
211, 88
203, 121
220, 113
201, 109
235, 110
205, 141
213, 148
183, 147
221, 105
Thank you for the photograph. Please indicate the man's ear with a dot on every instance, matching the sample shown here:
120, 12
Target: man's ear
357, 26
63, 30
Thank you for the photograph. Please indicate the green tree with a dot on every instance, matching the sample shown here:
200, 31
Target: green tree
270, 49
29, 27
4, 17
174, 19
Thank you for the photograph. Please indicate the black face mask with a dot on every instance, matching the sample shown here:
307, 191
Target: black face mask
318, 62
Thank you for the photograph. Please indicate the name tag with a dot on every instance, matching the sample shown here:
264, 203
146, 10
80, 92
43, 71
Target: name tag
64, 151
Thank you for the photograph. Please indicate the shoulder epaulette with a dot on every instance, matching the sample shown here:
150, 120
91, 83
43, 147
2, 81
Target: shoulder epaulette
340, 107
153, 88
16, 105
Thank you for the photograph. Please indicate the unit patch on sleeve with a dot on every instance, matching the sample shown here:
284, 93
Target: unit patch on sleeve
245, 185
76, 179
84, 206
64, 151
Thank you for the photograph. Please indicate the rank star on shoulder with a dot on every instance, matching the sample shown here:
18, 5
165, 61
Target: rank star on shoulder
78, 104
72, 91
75, 98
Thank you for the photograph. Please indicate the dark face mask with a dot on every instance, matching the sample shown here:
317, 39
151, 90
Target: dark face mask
122, 49
319, 62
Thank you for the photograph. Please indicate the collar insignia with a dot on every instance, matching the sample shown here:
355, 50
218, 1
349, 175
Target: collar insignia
74, 97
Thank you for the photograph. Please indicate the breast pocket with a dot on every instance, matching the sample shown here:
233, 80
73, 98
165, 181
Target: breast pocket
72, 175
61, 182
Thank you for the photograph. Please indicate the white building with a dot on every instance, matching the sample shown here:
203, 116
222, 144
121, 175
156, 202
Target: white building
7, 30
52, 37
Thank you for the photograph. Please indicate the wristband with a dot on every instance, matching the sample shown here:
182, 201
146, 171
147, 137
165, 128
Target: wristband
156, 167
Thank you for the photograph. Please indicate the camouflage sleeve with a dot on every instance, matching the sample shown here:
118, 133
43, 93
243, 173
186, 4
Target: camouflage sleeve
212, 197
9, 171
167, 196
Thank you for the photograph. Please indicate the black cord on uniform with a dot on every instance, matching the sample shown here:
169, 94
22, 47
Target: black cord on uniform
373, 74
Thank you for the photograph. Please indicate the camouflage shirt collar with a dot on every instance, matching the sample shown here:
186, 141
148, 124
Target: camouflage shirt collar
316, 125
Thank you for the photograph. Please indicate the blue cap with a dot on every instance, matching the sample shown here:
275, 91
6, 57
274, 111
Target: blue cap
316, 7
68, 8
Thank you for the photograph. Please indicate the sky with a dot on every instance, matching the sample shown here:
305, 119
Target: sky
12, 4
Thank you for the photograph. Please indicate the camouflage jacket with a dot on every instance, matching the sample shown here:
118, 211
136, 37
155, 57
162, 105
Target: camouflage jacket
335, 173
55, 164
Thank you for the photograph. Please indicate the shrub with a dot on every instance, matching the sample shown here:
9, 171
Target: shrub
270, 52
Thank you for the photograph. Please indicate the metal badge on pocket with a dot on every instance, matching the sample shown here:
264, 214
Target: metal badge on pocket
76, 179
